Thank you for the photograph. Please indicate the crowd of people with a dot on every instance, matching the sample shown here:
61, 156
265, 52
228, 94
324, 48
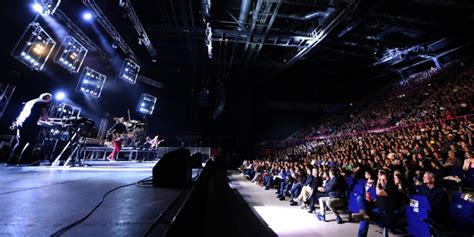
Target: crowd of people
427, 151
445, 94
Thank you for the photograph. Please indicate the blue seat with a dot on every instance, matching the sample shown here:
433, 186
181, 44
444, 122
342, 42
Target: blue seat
416, 213
456, 171
349, 182
469, 178
357, 191
462, 213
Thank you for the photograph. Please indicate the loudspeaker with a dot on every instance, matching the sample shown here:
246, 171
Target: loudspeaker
173, 170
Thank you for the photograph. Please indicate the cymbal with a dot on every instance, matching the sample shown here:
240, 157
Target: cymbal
116, 119
128, 124
140, 124
134, 121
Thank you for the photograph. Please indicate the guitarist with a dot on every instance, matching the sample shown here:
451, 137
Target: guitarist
156, 142
118, 131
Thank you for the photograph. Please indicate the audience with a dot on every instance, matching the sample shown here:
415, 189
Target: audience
417, 141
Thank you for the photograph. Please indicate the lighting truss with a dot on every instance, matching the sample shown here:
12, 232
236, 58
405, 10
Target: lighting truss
34, 47
129, 71
146, 104
207, 18
91, 82
150, 81
209, 39
63, 110
102, 19
143, 37
81, 36
6, 93
48, 6
71, 54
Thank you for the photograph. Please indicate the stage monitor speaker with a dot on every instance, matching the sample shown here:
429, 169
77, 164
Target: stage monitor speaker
173, 170
196, 160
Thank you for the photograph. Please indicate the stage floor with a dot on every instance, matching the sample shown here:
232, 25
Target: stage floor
38, 201
286, 220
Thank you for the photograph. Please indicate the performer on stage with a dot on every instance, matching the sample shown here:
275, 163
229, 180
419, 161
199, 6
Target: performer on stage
34, 114
156, 142
117, 130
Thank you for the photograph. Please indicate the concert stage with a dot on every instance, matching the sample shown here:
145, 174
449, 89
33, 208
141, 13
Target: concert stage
38, 201
286, 220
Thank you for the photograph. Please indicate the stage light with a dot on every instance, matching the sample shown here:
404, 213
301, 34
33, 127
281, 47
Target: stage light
129, 71
34, 47
37, 7
64, 110
46, 7
38, 49
71, 55
91, 82
60, 96
147, 103
87, 16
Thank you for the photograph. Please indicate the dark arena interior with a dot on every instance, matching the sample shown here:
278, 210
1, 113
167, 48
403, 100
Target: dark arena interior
237, 118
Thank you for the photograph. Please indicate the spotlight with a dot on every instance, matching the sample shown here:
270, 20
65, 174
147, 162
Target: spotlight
71, 54
38, 49
87, 16
37, 7
129, 71
146, 105
60, 96
91, 82
46, 7
34, 47
64, 110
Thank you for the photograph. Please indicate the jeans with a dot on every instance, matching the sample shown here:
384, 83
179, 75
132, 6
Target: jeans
25, 141
296, 190
377, 215
283, 187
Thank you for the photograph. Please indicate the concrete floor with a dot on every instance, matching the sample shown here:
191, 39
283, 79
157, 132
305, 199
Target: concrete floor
38, 201
286, 220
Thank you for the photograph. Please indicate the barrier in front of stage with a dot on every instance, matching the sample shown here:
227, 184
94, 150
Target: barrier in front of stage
130, 153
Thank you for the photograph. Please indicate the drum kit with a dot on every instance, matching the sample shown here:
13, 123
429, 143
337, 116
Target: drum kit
135, 132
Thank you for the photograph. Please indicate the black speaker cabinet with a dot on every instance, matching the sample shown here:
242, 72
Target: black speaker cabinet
173, 170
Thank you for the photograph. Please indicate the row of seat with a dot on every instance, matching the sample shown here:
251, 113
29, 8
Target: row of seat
417, 213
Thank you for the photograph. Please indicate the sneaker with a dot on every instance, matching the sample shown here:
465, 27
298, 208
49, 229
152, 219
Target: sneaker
282, 198
361, 216
293, 203
339, 220
321, 217
110, 159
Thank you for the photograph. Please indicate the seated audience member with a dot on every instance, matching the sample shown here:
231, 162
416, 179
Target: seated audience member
468, 167
437, 197
367, 199
385, 208
306, 190
315, 195
335, 187
307, 182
